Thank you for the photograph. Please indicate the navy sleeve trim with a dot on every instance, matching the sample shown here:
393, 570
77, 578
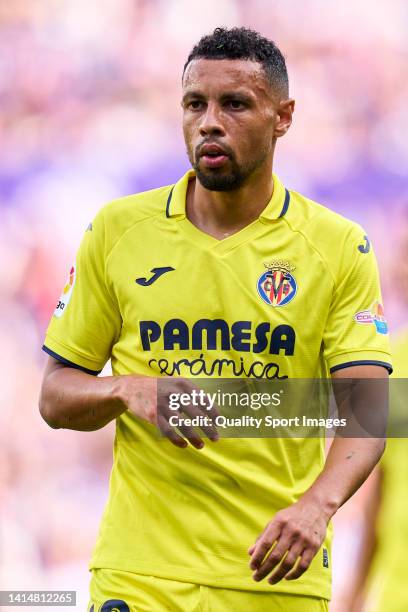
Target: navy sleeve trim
168, 202
285, 204
69, 363
350, 364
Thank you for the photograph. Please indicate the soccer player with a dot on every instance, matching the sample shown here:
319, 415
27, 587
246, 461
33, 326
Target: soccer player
225, 274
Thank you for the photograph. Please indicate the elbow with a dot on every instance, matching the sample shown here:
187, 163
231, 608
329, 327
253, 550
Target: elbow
45, 408
378, 449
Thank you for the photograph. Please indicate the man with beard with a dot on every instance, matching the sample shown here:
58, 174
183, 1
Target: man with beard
225, 274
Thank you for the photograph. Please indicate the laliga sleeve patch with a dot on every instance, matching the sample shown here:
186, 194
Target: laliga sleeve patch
373, 316
66, 293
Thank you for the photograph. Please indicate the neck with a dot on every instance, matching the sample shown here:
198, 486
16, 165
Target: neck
222, 213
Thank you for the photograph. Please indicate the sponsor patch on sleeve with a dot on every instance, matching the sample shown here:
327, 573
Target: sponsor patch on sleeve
373, 316
66, 293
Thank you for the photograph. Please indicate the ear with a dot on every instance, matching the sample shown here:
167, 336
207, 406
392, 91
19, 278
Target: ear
283, 119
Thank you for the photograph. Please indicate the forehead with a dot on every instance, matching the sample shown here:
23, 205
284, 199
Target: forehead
212, 75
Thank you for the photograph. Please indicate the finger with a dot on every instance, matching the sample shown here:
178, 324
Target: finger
209, 429
213, 411
191, 435
287, 564
197, 408
167, 431
190, 410
211, 432
187, 430
263, 545
205, 409
204, 404
273, 559
252, 548
303, 563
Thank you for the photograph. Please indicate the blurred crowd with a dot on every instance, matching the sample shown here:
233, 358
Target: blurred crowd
90, 110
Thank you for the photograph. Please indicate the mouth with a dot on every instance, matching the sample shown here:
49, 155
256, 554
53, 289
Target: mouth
213, 155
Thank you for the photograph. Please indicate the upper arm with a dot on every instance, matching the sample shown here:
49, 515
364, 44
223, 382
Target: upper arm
362, 371
51, 366
87, 320
362, 399
356, 333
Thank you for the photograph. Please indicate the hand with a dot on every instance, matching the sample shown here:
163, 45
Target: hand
292, 539
144, 400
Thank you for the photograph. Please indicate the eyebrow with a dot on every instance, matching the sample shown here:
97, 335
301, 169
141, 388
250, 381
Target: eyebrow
227, 95
193, 94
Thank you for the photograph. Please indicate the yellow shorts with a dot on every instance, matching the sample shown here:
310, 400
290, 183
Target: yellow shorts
117, 591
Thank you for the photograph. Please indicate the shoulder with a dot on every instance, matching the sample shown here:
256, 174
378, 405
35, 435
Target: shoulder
315, 220
128, 210
115, 218
337, 239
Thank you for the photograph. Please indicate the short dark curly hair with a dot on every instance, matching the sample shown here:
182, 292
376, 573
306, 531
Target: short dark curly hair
244, 43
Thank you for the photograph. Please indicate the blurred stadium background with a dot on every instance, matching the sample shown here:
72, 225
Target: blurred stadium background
89, 99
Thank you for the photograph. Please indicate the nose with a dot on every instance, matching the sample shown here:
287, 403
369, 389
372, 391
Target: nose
211, 123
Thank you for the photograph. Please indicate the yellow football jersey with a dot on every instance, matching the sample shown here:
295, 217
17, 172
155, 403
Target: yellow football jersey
294, 294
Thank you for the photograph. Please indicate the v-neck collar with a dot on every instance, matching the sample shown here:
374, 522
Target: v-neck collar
176, 208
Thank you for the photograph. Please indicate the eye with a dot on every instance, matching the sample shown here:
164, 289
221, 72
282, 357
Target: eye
194, 104
236, 104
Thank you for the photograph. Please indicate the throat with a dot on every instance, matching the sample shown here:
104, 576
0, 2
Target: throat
216, 215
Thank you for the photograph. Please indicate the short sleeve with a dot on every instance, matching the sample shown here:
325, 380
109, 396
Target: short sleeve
87, 321
356, 330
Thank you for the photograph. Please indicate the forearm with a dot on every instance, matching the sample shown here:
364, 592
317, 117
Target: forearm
72, 399
348, 464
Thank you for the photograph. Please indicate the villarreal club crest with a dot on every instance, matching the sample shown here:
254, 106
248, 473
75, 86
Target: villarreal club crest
277, 286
